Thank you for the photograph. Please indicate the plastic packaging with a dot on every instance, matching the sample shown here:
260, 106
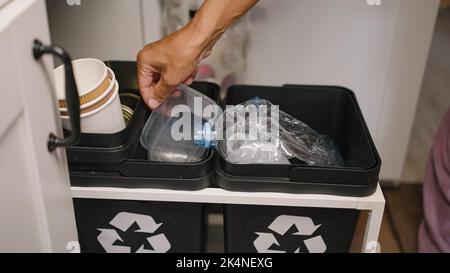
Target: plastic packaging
169, 132
242, 135
188, 123
257, 132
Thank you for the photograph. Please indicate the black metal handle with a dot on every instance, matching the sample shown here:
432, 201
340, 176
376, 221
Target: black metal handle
72, 99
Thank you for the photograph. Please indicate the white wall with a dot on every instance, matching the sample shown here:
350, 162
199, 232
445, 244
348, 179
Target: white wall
3, 3
377, 51
104, 29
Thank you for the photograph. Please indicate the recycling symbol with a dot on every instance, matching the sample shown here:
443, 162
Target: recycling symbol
304, 236
143, 226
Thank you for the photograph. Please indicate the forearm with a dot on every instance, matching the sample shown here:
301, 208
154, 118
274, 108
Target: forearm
164, 64
214, 18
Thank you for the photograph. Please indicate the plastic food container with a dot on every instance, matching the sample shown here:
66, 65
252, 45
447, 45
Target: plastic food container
169, 133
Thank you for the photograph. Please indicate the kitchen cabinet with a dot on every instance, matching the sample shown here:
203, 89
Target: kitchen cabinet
36, 209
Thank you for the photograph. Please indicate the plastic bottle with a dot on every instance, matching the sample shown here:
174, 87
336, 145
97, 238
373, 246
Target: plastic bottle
271, 136
188, 124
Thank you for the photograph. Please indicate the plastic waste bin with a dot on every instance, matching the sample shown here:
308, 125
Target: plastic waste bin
333, 111
265, 229
119, 226
119, 161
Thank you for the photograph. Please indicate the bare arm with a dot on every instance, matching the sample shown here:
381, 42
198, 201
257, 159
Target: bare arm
164, 64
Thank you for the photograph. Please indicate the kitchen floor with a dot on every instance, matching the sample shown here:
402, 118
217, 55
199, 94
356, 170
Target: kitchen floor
402, 218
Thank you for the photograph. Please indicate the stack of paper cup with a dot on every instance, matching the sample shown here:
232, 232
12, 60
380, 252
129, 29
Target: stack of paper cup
98, 90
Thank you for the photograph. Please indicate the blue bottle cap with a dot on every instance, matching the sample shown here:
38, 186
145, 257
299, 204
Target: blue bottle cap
205, 137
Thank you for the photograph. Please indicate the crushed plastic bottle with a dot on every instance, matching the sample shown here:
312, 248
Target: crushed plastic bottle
254, 132
257, 132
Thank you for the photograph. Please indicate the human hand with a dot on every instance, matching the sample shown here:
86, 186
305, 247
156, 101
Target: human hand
165, 64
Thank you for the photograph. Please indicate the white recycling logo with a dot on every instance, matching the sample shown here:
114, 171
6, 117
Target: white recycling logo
123, 221
281, 225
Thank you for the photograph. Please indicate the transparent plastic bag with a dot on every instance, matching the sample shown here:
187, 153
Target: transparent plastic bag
276, 137
243, 137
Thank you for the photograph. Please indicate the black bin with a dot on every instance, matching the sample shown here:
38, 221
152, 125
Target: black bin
118, 160
266, 229
333, 111
118, 226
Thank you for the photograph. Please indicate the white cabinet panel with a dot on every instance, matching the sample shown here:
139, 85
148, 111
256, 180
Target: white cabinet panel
21, 229
35, 198
11, 103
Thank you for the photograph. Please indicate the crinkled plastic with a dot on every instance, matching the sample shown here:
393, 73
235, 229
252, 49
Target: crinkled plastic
279, 137
254, 132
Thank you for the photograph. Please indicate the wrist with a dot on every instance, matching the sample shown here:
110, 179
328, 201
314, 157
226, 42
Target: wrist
200, 34
205, 29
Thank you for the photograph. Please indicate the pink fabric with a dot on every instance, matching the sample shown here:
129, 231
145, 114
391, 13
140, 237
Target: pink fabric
434, 234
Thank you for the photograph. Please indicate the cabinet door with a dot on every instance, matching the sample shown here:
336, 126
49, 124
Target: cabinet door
36, 209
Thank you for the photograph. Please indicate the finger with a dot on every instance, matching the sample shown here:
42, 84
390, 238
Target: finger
175, 93
161, 90
145, 82
189, 81
158, 93
194, 73
191, 78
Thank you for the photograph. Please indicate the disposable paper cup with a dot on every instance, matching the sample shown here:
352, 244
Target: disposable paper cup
107, 119
91, 77
90, 104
